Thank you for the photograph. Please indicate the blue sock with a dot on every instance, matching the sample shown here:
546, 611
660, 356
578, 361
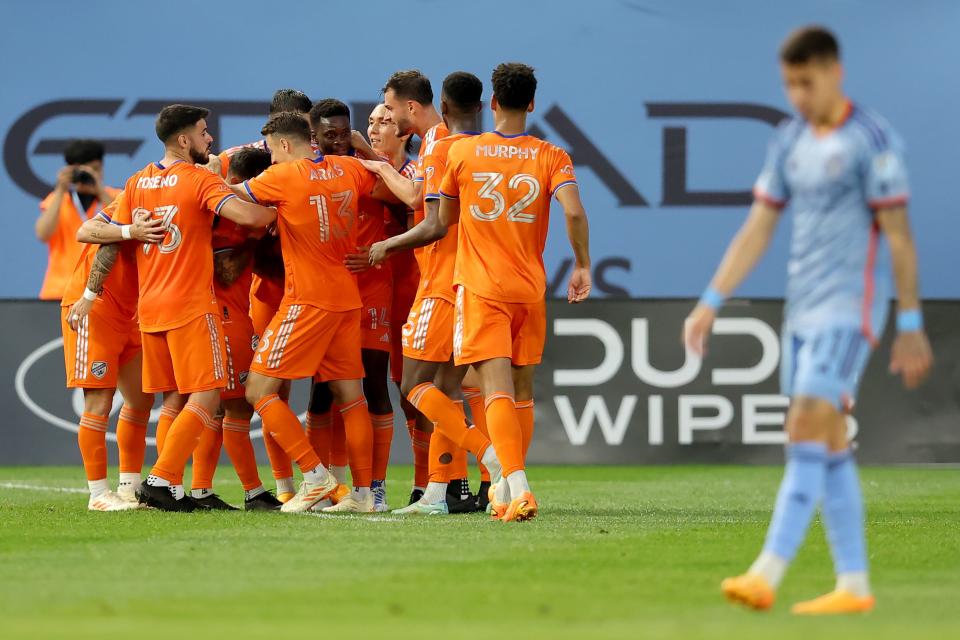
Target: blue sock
843, 514
800, 493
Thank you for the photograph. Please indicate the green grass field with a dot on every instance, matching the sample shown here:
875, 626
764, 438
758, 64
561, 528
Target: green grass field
625, 552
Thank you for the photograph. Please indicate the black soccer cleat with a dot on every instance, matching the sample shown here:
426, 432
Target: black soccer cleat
212, 502
265, 501
483, 496
459, 498
415, 496
161, 498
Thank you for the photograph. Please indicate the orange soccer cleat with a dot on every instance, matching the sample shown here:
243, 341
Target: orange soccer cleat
834, 603
521, 509
750, 590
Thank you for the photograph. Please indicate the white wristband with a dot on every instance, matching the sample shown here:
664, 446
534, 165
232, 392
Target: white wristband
89, 295
125, 231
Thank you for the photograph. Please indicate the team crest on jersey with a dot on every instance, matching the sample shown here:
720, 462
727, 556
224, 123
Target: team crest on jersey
429, 172
98, 369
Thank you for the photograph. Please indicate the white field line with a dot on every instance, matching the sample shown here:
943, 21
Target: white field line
37, 487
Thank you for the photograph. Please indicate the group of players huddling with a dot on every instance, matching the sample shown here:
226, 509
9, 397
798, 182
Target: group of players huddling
188, 274
220, 279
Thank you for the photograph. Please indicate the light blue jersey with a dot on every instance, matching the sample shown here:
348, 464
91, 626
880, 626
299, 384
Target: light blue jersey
839, 275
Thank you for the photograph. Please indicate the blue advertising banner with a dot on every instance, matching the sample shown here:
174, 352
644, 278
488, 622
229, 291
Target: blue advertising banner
666, 107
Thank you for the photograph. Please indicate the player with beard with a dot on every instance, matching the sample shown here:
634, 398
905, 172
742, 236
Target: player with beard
181, 329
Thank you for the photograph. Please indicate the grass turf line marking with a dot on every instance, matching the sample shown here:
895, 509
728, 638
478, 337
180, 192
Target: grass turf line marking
37, 487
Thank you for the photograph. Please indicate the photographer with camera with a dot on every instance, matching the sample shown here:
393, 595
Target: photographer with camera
78, 195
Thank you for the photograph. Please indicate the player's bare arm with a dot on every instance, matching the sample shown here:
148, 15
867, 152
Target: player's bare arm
245, 213
362, 147
911, 355
102, 265
428, 231
144, 228
578, 232
229, 264
406, 190
745, 250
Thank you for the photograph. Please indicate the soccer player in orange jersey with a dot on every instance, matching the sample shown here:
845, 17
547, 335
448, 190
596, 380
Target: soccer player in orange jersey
498, 186
102, 353
180, 324
233, 253
316, 332
408, 97
394, 148
428, 334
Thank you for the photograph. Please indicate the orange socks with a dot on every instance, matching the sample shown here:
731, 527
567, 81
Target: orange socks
474, 399
236, 440
420, 441
283, 425
442, 450
359, 436
319, 433
92, 439
448, 417
167, 416
338, 439
279, 460
132, 438
382, 439
525, 418
181, 440
207, 455
505, 431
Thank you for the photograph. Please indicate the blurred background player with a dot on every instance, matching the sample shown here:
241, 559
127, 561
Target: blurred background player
316, 332
180, 324
500, 321
395, 149
232, 272
838, 291
77, 196
330, 121
428, 335
102, 353
408, 98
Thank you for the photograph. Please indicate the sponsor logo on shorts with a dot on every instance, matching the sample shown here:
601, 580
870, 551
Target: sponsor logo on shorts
98, 369
243, 377
254, 342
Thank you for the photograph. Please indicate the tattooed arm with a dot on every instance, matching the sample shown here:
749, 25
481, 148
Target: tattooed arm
102, 265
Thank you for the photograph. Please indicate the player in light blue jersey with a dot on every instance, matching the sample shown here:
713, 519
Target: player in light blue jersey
841, 169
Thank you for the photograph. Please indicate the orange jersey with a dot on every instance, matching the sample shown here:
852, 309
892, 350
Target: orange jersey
504, 184
120, 290
235, 298
228, 153
176, 276
371, 227
63, 248
393, 226
437, 260
316, 200
434, 133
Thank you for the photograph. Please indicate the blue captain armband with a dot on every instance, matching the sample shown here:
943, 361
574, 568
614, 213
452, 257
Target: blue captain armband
909, 320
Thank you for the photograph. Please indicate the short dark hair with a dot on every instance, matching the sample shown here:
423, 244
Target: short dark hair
809, 43
514, 85
176, 117
328, 108
463, 90
410, 85
289, 100
83, 151
287, 123
249, 162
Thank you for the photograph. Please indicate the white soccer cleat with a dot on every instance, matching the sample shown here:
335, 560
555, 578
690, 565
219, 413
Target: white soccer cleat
110, 501
352, 504
323, 504
310, 493
421, 508
128, 492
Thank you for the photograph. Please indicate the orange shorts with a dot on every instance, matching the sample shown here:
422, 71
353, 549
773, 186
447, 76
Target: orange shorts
406, 280
303, 341
261, 313
187, 359
428, 334
94, 353
485, 329
375, 322
241, 342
